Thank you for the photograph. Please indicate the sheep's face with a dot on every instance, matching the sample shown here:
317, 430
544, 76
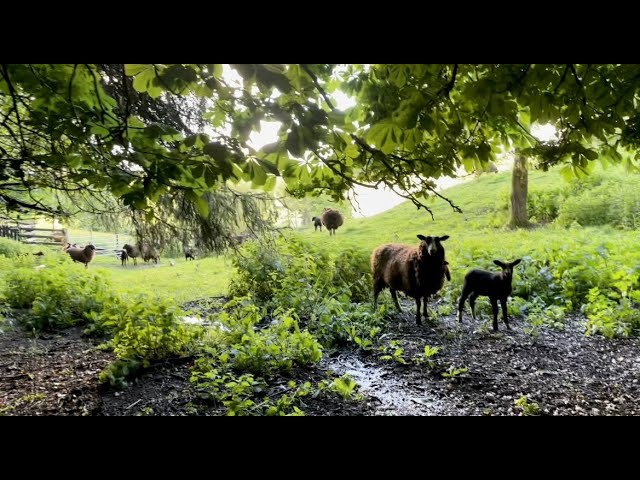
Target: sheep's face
90, 247
431, 246
507, 268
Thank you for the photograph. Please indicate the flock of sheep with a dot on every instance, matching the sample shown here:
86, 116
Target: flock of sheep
420, 272
417, 271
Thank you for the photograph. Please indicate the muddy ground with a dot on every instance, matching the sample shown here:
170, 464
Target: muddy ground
561, 372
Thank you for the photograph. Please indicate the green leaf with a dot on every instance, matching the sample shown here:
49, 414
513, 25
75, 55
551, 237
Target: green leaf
295, 142
215, 150
133, 69
200, 203
591, 154
270, 184
268, 167
566, 172
210, 177
258, 175
385, 136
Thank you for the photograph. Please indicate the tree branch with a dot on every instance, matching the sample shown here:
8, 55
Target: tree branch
308, 71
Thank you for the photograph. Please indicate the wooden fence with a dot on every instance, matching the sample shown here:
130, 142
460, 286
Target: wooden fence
32, 235
28, 233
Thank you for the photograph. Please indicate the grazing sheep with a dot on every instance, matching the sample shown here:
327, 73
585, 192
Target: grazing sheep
495, 285
82, 255
150, 253
189, 253
133, 251
332, 219
417, 271
240, 239
38, 254
317, 222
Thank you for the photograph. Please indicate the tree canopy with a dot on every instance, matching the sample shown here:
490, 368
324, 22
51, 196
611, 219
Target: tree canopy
152, 135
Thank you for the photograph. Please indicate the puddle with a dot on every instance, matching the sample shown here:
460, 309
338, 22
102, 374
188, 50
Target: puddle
191, 320
387, 391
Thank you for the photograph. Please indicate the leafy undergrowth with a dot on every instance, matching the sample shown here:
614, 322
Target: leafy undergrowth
465, 370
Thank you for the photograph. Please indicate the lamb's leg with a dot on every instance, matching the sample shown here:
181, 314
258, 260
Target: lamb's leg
463, 298
395, 299
472, 302
494, 306
418, 321
503, 303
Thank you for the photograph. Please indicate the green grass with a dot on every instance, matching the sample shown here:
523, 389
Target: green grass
477, 199
185, 281
477, 236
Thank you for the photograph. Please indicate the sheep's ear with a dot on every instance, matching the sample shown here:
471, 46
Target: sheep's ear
442, 239
515, 262
500, 264
422, 237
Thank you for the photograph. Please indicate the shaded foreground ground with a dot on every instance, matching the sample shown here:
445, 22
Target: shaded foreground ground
562, 371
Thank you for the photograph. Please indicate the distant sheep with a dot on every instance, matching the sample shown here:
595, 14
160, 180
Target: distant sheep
189, 253
495, 285
332, 219
83, 255
124, 256
240, 239
317, 222
419, 271
150, 253
133, 252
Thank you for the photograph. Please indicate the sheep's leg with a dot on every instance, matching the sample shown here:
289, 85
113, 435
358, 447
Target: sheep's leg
378, 285
463, 298
503, 303
395, 300
472, 302
494, 306
418, 321
425, 312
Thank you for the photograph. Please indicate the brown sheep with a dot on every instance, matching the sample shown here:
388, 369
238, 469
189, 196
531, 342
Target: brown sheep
150, 253
240, 239
83, 255
332, 219
417, 271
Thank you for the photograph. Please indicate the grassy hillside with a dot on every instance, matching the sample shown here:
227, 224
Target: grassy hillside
563, 260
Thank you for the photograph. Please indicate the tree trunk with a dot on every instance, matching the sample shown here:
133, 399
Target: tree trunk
519, 193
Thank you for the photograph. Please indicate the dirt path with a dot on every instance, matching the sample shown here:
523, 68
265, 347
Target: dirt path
562, 371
